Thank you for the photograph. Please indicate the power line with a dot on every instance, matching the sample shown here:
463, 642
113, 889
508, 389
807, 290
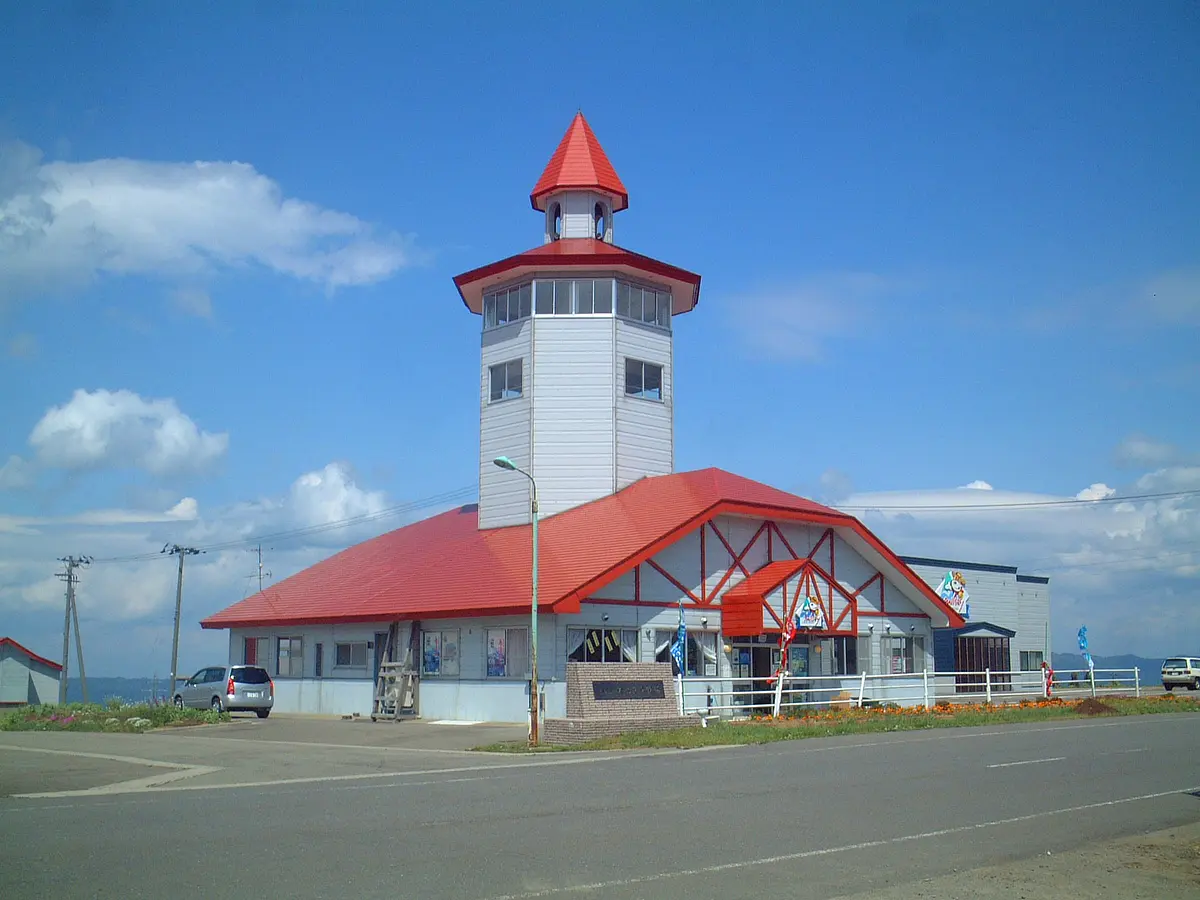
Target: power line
1029, 504
310, 530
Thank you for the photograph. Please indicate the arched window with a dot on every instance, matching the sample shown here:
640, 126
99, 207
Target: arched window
554, 215
600, 216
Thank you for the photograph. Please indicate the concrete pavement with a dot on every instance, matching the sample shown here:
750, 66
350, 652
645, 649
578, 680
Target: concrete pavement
820, 818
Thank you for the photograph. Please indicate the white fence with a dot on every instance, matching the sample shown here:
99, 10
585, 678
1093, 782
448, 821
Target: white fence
728, 697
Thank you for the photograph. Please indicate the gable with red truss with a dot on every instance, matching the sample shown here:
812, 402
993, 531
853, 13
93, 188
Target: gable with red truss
760, 572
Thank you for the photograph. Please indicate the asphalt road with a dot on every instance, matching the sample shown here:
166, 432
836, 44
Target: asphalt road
813, 818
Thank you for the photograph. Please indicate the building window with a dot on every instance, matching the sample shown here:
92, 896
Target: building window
552, 298
290, 658
1031, 660
643, 304
507, 652
600, 216
507, 305
505, 380
255, 651
602, 645
845, 656
350, 655
554, 214
902, 655
319, 660
439, 653
701, 651
643, 379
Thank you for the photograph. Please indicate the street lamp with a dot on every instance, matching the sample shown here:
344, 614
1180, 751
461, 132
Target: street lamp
505, 463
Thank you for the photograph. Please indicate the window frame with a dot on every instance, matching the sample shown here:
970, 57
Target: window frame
606, 648
912, 652
642, 393
448, 667
695, 657
262, 650
1025, 655
520, 661
351, 647
295, 660
518, 305
506, 392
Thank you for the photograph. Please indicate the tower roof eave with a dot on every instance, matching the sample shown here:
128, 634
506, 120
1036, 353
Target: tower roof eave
579, 253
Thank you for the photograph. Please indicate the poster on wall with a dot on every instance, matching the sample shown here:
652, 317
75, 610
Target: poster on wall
798, 660
432, 657
495, 653
953, 590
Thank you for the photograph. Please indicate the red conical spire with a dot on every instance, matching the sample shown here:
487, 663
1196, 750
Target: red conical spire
579, 163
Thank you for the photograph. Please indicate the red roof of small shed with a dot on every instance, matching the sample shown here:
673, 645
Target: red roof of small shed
446, 566
7, 641
580, 163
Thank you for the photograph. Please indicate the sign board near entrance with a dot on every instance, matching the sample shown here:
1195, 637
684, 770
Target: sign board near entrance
629, 690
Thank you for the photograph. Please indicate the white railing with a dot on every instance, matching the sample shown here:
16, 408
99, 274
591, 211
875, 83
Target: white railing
727, 697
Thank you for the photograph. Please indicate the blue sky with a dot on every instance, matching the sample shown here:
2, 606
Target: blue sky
941, 244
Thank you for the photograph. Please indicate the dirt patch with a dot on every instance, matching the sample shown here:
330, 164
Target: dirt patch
1093, 707
1164, 864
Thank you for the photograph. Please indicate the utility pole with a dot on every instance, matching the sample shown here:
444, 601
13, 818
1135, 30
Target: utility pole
260, 568
181, 552
71, 614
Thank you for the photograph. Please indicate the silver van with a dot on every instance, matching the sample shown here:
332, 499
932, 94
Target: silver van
1181, 671
228, 689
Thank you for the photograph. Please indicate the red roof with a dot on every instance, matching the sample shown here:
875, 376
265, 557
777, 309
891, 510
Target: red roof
585, 253
579, 162
446, 566
6, 641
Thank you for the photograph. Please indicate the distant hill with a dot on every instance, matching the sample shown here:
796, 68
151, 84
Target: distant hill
1073, 662
133, 690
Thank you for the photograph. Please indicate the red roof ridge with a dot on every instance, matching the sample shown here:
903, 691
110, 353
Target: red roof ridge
446, 566
29, 653
579, 162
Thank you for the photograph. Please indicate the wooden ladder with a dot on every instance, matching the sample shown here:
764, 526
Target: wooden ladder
398, 684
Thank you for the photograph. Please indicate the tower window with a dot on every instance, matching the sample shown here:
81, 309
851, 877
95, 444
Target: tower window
507, 305
601, 218
554, 214
643, 379
505, 380
644, 304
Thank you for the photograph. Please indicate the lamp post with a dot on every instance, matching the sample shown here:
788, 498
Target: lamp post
505, 463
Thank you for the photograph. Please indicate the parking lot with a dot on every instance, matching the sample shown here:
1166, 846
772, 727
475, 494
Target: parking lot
247, 751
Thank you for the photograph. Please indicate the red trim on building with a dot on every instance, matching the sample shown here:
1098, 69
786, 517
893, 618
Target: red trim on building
579, 163
9, 642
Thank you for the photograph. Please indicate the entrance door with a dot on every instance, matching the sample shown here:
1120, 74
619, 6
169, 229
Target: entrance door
763, 661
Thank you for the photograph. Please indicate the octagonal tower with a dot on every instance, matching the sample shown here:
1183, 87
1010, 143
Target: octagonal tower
576, 380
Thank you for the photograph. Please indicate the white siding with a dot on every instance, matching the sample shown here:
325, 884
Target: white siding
578, 208
1033, 618
645, 438
505, 428
23, 680
572, 410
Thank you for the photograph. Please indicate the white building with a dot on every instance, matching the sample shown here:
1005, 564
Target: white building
25, 677
577, 389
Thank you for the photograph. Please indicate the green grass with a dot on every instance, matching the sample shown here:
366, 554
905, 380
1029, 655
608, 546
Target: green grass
111, 717
866, 721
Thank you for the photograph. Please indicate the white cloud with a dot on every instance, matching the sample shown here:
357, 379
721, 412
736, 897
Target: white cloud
23, 346
120, 599
796, 321
119, 429
977, 486
63, 223
192, 302
1096, 491
16, 473
1129, 569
